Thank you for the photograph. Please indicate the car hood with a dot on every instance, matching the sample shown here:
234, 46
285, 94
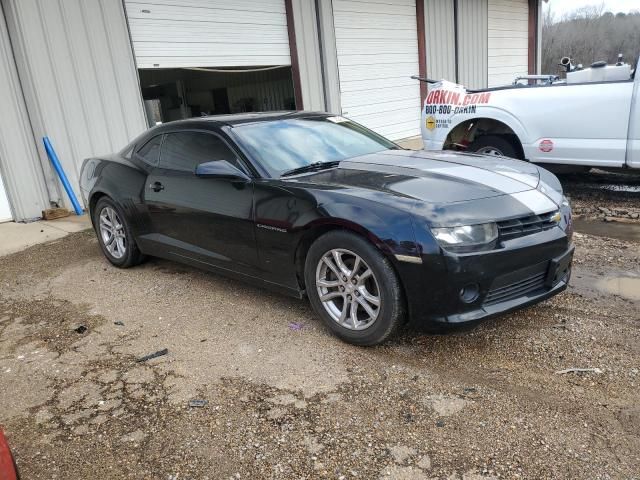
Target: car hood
432, 177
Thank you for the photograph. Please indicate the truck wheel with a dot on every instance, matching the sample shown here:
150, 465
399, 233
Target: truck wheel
495, 145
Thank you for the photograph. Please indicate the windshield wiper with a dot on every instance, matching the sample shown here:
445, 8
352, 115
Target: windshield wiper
312, 167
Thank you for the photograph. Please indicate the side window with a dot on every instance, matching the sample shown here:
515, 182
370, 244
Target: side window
149, 153
184, 151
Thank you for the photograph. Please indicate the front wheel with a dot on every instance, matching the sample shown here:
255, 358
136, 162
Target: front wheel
353, 288
494, 145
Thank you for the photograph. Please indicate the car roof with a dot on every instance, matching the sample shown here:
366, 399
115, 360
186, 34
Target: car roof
242, 118
214, 122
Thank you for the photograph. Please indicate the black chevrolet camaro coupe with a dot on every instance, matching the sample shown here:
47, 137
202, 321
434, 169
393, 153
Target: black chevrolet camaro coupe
313, 204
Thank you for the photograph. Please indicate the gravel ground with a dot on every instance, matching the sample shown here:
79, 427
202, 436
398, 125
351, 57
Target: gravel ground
604, 195
286, 400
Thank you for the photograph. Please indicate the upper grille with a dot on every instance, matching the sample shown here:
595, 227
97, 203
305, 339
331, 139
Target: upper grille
519, 227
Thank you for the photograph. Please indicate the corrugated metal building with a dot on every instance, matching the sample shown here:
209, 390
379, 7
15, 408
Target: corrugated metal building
92, 74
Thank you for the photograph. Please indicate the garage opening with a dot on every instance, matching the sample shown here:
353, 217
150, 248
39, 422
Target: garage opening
178, 93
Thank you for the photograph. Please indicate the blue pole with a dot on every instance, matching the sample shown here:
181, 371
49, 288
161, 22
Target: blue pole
63, 177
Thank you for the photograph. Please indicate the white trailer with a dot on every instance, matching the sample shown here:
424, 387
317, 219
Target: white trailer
591, 119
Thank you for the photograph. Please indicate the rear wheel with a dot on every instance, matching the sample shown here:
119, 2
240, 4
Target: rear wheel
353, 288
494, 145
114, 235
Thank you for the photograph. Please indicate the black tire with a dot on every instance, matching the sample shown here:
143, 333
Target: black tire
500, 143
132, 255
391, 313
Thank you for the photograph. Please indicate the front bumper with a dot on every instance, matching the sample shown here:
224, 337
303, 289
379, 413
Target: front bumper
524, 272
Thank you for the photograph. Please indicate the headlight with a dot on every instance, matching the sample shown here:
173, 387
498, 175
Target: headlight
467, 237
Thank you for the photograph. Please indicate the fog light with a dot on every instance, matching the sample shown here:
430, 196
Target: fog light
469, 293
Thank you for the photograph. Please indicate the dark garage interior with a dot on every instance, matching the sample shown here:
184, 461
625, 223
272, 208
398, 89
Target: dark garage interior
177, 93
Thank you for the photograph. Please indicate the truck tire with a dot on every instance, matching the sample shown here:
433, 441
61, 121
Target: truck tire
496, 145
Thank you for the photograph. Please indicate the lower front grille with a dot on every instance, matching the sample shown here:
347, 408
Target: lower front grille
517, 283
517, 289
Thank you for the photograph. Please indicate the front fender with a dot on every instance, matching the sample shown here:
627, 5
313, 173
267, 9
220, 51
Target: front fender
436, 139
499, 114
391, 230
448, 105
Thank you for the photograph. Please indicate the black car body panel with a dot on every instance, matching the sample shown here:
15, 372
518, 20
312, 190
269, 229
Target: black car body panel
258, 230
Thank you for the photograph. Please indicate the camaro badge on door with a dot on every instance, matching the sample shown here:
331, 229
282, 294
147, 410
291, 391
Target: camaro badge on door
270, 227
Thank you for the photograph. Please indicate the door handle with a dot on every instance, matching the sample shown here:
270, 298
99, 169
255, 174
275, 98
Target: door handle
156, 186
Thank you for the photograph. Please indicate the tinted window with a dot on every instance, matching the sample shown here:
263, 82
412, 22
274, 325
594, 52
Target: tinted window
286, 144
184, 151
150, 151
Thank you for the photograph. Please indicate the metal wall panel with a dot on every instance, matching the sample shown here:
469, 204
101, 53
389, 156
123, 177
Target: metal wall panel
78, 76
309, 62
20, 166
508, 47
329, 56
472, 43
440, 39
377, 50
208, 33
5, 208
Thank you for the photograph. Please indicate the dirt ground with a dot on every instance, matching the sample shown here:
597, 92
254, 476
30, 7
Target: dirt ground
286, 400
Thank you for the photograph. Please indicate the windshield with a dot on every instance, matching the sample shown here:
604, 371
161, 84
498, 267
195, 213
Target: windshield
283, 145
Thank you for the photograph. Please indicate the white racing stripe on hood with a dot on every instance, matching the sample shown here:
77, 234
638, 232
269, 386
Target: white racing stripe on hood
488, 178
526, 178
536, 201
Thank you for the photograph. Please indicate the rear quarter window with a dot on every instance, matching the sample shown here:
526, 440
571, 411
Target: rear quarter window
149, 153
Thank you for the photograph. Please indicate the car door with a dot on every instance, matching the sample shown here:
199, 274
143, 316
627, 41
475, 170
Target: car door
206, 220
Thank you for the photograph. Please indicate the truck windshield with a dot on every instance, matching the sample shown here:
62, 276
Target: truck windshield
284, 145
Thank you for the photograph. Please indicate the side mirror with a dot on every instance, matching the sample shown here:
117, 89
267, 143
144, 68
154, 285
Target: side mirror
221, 169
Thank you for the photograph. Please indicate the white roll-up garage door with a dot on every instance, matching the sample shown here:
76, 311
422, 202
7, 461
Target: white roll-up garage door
377, 50
508, 40
208, 33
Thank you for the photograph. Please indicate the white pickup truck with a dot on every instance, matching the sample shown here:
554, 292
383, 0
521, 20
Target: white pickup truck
591, 119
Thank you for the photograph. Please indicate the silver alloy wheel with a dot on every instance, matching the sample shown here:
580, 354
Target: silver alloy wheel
493, 151
112, 232
348, 289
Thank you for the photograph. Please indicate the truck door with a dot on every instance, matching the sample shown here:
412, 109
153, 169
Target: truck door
580, 124
633, 143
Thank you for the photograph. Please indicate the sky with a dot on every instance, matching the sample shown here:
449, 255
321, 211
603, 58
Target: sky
561, 7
